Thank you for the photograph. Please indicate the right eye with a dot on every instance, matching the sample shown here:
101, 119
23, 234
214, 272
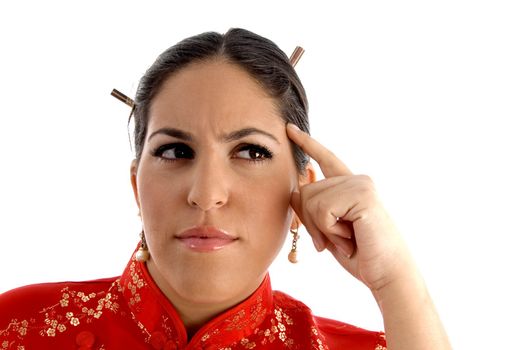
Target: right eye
174, 151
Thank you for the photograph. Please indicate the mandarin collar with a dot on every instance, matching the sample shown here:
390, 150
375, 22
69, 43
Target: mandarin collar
162, 327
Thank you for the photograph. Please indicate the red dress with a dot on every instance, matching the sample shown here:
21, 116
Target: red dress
130, 312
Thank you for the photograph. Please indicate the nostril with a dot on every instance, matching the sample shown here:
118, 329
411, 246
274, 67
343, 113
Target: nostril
206, 204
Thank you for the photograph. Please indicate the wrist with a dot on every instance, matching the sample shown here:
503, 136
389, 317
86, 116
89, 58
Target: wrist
410, 318
407, 285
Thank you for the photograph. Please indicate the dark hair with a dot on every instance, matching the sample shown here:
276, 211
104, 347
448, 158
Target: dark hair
259, 56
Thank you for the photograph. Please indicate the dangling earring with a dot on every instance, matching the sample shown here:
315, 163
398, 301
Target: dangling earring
293, 256
142, 253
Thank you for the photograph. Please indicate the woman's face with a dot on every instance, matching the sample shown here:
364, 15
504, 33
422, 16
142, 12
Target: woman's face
213, 184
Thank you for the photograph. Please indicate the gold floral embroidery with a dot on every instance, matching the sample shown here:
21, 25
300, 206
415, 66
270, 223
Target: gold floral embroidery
143, 329
381, 346
276, 330
135, 284
276, 327
131, 284
256, 325
19, 328
239, 321
247, 343
316, 342
56, 321
5, 345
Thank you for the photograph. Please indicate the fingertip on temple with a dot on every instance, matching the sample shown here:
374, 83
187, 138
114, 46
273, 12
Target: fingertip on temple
293, 127
295, 134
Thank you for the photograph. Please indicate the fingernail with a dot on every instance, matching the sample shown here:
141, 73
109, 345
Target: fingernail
343, 252
317, 245
294, 127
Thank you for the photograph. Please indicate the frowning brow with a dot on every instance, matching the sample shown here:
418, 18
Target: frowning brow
179, 134
232, 136
239, 134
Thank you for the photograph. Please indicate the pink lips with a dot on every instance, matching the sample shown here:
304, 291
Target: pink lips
205, 239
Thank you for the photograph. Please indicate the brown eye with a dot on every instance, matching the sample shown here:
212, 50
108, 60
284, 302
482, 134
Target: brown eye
254, 153
251, 153
174, 151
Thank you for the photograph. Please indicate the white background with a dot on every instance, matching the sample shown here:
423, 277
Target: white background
428, 98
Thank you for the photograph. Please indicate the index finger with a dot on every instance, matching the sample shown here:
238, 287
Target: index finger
330, 165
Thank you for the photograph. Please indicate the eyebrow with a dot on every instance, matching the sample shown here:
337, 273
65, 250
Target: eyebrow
239, 134
172, 132
233, 136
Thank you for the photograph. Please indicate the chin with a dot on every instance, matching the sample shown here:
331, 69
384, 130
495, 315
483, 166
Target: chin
211, 287
217, 278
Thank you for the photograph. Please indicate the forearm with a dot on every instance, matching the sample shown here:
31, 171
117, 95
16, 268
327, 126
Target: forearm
410, 318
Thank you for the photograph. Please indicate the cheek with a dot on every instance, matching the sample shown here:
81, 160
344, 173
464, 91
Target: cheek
156, 196
276, 199
270, 189
268, 206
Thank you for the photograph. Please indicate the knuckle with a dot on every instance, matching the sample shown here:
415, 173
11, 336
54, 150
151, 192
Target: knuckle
306, 191
367, 183
366, 178
324, 206
310, 207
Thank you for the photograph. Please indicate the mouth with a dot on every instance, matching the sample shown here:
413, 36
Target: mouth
205, 239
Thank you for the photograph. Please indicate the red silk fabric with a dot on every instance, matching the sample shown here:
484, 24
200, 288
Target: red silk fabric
130, 312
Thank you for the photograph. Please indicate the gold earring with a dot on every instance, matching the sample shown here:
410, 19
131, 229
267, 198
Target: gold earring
293, 256
142, 253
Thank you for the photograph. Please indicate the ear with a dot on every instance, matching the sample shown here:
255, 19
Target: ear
305, 178
133, 178
309, 176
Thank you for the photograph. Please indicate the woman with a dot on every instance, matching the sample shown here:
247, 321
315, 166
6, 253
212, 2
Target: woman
221, 174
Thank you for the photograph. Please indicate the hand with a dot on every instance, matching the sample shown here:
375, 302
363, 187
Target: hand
344, 214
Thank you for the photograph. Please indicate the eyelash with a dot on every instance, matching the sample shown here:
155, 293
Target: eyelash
181, 147
262, 150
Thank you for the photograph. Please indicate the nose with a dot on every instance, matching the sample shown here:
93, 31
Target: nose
209, 188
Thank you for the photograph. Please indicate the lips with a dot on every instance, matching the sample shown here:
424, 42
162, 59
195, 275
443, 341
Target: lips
205, 239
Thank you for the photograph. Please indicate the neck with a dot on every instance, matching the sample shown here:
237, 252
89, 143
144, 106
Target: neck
195, 314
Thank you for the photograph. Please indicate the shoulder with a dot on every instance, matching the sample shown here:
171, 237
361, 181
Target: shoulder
37, 310
334, 334
34, 297
340, 333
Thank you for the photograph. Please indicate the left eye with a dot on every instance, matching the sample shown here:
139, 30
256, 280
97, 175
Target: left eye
253, 152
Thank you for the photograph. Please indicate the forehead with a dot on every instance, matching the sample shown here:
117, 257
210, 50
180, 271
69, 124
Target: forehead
213, 94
